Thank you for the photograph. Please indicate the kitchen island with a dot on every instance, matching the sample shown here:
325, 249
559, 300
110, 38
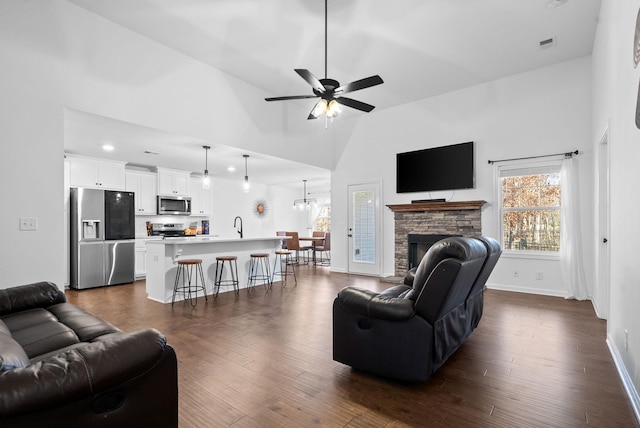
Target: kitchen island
163, 254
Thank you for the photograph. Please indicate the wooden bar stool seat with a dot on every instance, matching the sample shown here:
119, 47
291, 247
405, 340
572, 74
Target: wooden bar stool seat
259, 271
284, 258
233, 269
188, 290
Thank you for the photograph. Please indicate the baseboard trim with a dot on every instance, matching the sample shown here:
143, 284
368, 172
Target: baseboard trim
502, 287
599, 314
627, 382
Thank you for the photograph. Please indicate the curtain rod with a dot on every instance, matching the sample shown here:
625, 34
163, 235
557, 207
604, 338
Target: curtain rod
566, 155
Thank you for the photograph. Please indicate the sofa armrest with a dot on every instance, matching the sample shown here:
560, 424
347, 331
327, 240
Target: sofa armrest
29, 296
80, 372
388, 305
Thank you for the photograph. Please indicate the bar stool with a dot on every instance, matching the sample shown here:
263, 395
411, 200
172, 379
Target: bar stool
259, 271
284, 256
233, 268
185, 268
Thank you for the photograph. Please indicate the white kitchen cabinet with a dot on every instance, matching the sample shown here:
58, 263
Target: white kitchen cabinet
200, 198
141, 263
96, 173
173, 182
140, 267
143, 184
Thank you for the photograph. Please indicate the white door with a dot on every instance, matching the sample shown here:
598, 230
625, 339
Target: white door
602, 286
365, 229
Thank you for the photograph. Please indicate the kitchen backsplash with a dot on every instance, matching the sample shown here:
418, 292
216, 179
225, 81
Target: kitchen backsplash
141, 222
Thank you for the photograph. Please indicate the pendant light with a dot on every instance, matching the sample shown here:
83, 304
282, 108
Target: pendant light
206, 181
246, 185
304, 203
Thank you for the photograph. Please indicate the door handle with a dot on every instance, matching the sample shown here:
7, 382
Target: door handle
350, 235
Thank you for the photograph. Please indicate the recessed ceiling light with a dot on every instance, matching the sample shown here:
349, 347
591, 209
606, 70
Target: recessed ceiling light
231, 168
107, 147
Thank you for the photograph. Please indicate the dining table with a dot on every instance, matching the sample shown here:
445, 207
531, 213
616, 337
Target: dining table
314, 242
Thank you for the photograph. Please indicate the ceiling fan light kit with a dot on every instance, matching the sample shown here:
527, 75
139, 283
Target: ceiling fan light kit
329, 90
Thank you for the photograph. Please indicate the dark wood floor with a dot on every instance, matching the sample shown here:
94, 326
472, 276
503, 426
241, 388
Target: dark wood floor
264, 359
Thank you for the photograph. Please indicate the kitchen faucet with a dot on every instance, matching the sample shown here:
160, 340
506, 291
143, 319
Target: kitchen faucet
234, 224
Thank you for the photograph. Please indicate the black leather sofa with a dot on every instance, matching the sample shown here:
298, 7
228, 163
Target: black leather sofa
62, 366
409, 330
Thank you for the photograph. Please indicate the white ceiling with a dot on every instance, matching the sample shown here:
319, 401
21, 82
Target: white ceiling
420, 48
85, 134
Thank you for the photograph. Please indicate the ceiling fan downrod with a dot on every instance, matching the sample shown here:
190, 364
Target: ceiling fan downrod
325, 39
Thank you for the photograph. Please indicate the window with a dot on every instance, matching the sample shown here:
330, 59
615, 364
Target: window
322, 221
530, 207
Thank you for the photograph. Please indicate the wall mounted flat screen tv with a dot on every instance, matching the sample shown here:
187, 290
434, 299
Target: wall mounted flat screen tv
439, 168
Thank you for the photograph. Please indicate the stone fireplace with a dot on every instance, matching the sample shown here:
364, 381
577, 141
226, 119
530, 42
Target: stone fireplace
432, 218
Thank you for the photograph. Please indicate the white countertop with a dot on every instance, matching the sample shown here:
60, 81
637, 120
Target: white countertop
200, 239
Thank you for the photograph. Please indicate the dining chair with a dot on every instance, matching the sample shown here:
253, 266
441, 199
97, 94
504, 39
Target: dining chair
324, 249
293, 244
314, 244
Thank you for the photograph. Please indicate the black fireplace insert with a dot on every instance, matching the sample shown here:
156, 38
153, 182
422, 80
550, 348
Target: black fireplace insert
418, 246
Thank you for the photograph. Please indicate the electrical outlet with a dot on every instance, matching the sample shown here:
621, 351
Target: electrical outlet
516, 273
539, 276
28, 223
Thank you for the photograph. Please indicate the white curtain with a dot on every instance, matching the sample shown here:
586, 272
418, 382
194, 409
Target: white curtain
570, 233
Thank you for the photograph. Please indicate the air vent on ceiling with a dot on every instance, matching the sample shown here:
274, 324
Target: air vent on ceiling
547, 43
147, 152
551, 4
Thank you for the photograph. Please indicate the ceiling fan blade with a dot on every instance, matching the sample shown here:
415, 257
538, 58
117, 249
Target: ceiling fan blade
367, 82
310, 78
311, 116
358, 105
291, 97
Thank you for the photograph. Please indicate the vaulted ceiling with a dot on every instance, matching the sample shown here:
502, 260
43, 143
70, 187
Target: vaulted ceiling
420, 48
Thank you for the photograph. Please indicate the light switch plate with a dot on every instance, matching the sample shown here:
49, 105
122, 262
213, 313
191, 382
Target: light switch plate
28, 223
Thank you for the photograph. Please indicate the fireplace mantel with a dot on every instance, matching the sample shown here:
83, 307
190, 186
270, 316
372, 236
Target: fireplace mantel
437, 206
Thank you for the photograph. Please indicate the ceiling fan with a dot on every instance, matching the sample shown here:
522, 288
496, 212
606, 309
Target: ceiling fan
330, 91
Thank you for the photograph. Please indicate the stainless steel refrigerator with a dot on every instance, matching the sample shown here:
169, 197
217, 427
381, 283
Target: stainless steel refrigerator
102, 237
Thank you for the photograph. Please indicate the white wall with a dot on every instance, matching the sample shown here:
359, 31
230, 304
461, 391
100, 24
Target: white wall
615, 95
229, 200
56, 55
540, 112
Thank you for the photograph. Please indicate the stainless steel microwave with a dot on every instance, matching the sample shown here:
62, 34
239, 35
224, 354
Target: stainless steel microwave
174, 205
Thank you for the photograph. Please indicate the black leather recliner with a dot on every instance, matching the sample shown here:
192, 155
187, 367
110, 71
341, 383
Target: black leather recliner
408, 331
61, 366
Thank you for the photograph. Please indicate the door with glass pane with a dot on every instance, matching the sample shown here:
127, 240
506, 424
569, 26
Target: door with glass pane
365, 222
